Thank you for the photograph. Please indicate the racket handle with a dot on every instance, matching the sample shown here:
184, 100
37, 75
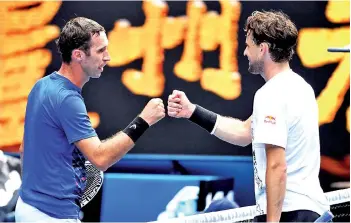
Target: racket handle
326, 217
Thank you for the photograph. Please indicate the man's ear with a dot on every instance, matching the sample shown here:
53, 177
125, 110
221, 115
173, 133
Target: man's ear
264, 47
77, 55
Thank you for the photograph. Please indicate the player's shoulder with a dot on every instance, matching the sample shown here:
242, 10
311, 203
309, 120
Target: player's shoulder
56, 90
69, 97
60, 87
298, 79
289, 82
298, 85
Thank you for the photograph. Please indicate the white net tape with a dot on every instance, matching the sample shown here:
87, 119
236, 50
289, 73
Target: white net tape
247, 213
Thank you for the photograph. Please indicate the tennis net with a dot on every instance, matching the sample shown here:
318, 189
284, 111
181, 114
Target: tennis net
339, 202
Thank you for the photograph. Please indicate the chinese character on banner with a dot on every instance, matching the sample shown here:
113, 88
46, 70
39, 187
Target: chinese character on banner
23, 36
312, 50
199, 30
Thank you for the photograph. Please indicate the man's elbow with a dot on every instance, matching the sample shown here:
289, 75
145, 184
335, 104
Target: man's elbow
103, 168
245, 141
100, 162
278, 170
246, 138
103, 162
101, 165
278, 166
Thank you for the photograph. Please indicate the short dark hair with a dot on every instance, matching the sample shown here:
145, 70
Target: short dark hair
76, 34
276, 29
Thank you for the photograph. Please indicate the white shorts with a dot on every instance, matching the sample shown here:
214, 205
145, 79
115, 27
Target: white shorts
27, 213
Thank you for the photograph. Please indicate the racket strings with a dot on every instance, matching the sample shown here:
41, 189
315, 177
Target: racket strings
93, 183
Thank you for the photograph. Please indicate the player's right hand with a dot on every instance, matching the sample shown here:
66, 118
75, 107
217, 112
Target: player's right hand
179, 105
154, 111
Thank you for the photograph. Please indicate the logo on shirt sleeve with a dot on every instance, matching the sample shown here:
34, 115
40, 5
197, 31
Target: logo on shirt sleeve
269, 119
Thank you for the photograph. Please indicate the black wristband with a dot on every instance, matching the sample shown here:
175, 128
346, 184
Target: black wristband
204, 118
136, 128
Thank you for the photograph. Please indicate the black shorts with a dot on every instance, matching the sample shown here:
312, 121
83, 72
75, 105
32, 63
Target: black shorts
292, 216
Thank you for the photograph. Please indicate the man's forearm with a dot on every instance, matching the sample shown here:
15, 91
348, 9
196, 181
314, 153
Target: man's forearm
233, 131
114, 148
275, 188
228, 129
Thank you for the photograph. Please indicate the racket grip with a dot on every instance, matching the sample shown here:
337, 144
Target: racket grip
325, 217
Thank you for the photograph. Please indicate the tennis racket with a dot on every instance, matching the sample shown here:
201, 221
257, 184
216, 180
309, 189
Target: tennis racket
95, 178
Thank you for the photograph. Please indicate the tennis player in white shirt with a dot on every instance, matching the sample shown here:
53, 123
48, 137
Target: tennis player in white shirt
283, 127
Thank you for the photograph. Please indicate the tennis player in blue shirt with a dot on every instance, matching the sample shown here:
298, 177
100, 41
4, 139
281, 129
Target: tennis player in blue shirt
58, 135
